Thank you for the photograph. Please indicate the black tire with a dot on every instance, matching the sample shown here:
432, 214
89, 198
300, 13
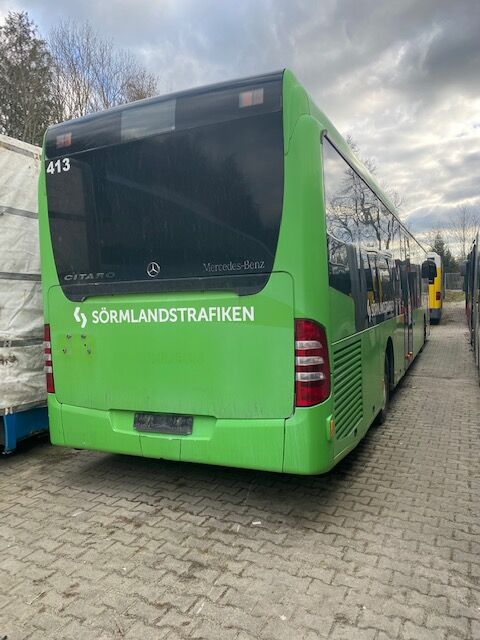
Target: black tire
382, 414
424, 333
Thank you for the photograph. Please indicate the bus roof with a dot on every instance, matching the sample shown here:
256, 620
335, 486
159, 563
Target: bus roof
240, 82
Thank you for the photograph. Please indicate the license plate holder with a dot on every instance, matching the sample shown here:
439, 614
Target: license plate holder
169, 423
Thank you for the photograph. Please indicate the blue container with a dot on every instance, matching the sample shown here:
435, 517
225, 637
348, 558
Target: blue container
20, 425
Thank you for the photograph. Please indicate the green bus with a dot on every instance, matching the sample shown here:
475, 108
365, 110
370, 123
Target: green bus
471, 272
223, 281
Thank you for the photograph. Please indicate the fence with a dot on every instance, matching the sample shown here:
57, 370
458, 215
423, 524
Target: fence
454, 281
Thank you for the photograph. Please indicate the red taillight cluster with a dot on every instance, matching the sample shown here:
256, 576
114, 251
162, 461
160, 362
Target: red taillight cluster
312, 369
438, 295
47, 352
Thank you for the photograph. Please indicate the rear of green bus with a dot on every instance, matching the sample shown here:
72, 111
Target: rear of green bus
185, 283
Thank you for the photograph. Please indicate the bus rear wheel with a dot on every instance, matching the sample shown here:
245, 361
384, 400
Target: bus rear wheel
424, 333
382, 414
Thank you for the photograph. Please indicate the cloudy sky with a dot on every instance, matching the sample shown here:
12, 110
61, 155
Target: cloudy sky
401, 76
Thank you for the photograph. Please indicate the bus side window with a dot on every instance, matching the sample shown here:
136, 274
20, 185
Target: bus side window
339, 266
386, 280
413, 282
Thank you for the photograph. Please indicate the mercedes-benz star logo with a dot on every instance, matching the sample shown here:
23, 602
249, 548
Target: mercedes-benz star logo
153, 269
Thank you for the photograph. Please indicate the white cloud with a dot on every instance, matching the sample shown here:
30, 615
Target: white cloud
401, 77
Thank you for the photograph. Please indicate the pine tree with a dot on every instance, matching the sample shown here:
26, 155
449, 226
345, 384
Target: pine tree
439, 245
25, 80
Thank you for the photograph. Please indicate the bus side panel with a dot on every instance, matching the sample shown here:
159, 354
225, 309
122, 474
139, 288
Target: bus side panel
342, 315
357, 385
374, 342
303, 253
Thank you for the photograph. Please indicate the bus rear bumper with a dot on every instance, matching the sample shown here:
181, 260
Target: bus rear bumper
297, 445
253, 444
435, 315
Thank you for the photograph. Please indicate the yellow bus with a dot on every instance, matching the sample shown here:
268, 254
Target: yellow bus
436, 290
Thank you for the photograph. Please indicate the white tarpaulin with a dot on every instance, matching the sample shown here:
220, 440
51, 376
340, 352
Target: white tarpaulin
22, 382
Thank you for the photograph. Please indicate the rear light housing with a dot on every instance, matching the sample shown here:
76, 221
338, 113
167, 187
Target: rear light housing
47, 354
438, 295
312, 367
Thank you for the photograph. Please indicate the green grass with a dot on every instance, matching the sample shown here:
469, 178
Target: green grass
452, 295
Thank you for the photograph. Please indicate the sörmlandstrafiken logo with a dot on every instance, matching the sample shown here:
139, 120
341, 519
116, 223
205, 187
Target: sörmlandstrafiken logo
80, 317
162, 315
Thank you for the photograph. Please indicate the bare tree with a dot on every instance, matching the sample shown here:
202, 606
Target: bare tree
140, 85
356, 214
25, 80
398, 199
463, 228
91, 74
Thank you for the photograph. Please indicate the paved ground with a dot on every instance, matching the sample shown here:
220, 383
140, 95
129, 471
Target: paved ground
387, 546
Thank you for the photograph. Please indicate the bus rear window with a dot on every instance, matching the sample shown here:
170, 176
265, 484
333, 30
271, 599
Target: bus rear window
165, 207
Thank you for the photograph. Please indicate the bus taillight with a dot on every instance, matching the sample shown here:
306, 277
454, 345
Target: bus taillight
438, 295
47, 354
312, 369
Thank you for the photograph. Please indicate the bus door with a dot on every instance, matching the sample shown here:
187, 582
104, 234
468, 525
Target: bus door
407, 309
